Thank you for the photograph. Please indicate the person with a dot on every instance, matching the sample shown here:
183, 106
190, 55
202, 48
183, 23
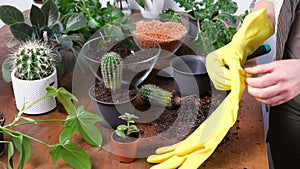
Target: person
279, 87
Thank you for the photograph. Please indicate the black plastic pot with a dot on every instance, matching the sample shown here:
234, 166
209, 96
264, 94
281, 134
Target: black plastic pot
110, 112
2, 121
190, 75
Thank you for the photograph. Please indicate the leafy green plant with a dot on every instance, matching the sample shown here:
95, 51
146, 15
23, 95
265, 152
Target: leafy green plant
78, 121
216, 22
154, 94
125, 130
47, 25
111, 70
33, 60
110, 19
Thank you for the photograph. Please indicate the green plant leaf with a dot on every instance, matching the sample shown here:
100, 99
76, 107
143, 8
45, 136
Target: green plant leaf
75, 22
37, 17
9, 40
66, 6
10, 155
6, 70
72, 154
141, 3
10, 15
65, 41
21, 31
84, 123
51, 12
121, 127
120, 133
18, 142
64, 97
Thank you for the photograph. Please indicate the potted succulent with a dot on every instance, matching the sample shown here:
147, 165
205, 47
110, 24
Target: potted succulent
125, 139
32, 68
78, 120
109, 95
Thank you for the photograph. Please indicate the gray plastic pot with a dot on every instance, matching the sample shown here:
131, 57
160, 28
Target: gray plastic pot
190, 75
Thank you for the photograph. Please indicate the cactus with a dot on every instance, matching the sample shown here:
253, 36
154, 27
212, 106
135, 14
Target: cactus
153, 94
33, 60
111, 69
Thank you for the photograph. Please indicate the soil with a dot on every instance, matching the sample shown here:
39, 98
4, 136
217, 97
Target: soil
131, 138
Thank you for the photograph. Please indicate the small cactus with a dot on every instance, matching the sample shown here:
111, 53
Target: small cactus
33, 60
153, 94
111, 69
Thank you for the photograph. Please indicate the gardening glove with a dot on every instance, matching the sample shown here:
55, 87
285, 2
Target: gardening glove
255, 29
195, 149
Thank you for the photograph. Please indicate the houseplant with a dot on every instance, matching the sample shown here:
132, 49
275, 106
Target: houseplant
78, 120
109, 95
123, 59
47, 25
213, 23
33, 67
125, 139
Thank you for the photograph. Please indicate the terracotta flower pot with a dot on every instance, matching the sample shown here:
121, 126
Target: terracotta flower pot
2, 121
125, 152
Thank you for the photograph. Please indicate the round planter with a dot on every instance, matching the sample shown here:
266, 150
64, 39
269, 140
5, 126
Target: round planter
152, 9
2, 121
28, 91
110, 112
190, 75
125, 152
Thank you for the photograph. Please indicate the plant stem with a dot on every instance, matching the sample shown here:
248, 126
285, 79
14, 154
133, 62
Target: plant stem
37, 121
24, 109
14, 133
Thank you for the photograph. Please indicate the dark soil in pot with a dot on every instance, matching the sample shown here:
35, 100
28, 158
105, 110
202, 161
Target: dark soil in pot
131, 138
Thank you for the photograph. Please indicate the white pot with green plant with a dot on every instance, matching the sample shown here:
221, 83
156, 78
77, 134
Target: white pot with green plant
33, 69
151, 8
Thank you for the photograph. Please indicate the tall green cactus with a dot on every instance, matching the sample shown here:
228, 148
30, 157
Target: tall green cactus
111, 70
33, 60
153, 94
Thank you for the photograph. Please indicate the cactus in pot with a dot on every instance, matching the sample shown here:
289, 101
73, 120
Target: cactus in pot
111, 69
33, 67
32, 61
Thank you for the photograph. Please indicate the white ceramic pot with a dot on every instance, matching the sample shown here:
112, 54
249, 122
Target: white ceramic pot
29, 91
152, 9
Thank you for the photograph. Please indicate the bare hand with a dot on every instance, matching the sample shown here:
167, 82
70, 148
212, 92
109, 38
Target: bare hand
280, 83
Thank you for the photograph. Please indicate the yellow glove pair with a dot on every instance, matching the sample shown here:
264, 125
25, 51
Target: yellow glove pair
225, 70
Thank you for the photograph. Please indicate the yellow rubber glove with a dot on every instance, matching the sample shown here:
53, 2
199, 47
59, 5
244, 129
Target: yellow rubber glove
255, 29
222, 65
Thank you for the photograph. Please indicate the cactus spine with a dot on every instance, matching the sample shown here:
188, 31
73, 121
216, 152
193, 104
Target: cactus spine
33, 60
111, 70
153, 94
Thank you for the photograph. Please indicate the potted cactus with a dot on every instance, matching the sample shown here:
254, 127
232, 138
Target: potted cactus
33, 69
125, 139
110, 95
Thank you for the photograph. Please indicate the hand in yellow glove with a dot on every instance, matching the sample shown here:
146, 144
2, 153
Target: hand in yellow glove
222, 65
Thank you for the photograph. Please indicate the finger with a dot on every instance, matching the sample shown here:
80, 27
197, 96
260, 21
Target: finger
166, 149
260, 69
159, 158
274, 101
262, 81
173, 162
264, 92
195, 159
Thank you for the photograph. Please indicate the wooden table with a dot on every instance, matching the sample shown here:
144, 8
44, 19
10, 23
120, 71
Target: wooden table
246, 148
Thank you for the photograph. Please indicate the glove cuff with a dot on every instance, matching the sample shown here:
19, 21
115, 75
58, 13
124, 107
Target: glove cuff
255, 29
